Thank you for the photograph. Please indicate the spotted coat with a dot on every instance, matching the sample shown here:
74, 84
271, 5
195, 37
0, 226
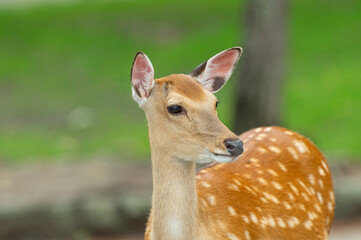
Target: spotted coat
279, 188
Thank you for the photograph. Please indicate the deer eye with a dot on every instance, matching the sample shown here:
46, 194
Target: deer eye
175, 109
217, 103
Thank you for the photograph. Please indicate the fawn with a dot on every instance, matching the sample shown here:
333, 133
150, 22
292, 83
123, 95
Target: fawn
280, 187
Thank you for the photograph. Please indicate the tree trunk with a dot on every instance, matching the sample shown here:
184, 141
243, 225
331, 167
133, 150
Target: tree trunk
259, 85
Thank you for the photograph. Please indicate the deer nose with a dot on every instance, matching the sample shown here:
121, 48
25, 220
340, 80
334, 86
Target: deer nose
234, 146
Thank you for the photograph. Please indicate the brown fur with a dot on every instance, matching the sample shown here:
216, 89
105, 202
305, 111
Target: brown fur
237, 185
184, 85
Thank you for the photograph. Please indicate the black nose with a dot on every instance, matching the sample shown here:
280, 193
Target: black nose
234, 146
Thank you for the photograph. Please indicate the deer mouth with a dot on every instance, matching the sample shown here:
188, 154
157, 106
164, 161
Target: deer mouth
220, 154
222, 158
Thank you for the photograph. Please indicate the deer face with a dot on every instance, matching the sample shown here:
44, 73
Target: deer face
181, 109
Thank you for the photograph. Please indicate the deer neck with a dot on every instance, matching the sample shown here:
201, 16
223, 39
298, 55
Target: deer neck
174, 202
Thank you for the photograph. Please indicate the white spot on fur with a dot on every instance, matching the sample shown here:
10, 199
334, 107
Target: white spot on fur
232, 211
301, 146
273, 139
282, 166
290, 224
264, 222
305, 197
268, 129
237, 182
253, 218
318, 208
291, 197
232, 237
221, 225
289, 133
287, 205
255, 188
293, 222
204, 203
308, 224
247, 235
294, 189
281, 223
263, 200
312, 215
245, 219
324, 165
293, 152
219, 166
271, 197
303, 185
246, 175
311, 178
211, 199
320, 182
256, 165
271, 221
251, 190
332, 196
321, 171
261, 136
330, 206
258, 130
272, 172
274, 149
205, 184
302, 207
254, 160
319, 196
233, 186
261, 150
262, 181
276, 185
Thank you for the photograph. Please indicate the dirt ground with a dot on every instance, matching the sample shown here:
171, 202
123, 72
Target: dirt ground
341, 230
346, 230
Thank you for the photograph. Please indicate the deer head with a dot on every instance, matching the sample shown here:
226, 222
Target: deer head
181, 109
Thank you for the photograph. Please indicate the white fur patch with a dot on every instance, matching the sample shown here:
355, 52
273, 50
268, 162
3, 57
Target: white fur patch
175, 227
138, 99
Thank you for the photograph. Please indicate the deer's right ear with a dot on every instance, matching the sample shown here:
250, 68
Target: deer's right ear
215, 72
142, 77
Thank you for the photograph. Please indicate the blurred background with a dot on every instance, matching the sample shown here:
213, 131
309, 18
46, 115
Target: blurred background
74, 154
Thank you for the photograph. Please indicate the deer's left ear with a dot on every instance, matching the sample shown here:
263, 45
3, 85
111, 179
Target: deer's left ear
215, 72
142, 77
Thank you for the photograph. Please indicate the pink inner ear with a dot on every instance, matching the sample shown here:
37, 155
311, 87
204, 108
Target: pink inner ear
223, 64
141, 67
142, 75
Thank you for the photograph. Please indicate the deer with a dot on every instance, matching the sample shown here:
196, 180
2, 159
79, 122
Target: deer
267, 183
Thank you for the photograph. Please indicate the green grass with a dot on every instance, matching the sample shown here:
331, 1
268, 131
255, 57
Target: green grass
61, 66
323, 94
